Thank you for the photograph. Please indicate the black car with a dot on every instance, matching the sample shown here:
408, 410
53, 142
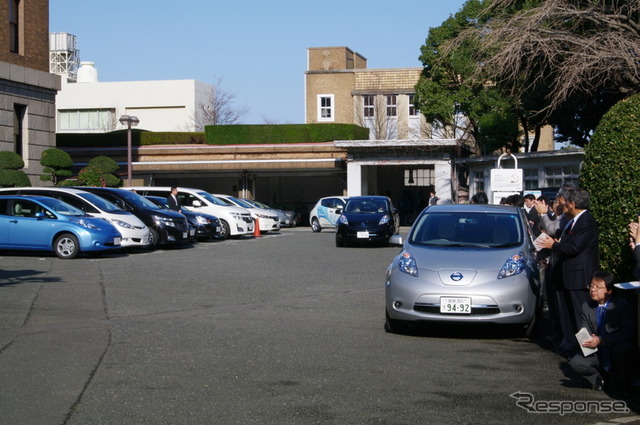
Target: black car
367, 220
167, 227
207, 226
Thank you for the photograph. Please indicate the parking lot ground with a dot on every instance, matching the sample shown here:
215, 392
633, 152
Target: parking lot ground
281, 329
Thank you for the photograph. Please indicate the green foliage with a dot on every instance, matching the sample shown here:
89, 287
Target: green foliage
286, 133
449, 84
104, 164
10, 161
11, 174
14, 178
91, 176
611, 174
56, 164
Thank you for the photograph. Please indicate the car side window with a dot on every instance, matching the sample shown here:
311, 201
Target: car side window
186, 199
4, 205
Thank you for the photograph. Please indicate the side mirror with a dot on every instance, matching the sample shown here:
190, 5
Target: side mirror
40, 215
339, 210
396, 240
197, 203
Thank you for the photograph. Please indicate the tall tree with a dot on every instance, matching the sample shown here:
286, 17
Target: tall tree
219, 108
450, 86
566, 61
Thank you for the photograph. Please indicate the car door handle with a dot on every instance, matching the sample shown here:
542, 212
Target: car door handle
13, 221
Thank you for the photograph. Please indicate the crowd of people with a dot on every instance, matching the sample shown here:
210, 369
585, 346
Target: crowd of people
580, 296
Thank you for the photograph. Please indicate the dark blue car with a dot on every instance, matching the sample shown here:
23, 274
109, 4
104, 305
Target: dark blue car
367, 220
47, 224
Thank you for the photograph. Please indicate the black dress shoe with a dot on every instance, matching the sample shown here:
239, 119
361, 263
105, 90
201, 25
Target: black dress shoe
599, 385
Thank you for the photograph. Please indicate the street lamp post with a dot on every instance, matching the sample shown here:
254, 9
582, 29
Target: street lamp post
129, 121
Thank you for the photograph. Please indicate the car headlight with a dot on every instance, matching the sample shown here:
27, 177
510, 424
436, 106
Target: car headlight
122, 224
201, 220
407, 264
384, 220
343, 220
84, 223
164, 221
513, 266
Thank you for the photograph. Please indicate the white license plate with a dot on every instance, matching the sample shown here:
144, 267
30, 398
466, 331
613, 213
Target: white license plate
192, 232
457, 305
117, 241
184, 235
362, 235
218, 229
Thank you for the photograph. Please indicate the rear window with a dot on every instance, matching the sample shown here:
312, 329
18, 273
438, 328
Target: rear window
467, 229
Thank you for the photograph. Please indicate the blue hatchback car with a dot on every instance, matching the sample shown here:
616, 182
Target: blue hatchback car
48, 224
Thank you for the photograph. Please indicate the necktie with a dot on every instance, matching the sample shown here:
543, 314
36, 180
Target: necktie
567, 228
600, 314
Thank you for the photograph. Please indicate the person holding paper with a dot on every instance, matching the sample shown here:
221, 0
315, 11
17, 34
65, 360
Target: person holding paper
611, 322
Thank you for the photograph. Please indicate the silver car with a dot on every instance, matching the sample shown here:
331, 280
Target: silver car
465, 263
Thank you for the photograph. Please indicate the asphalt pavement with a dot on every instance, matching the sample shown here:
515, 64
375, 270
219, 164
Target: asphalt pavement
280, 329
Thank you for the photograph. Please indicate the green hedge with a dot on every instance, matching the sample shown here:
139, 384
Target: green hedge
611, 174
219, 135
286, 133
119, 138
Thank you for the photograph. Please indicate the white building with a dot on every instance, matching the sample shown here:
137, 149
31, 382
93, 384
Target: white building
89, 105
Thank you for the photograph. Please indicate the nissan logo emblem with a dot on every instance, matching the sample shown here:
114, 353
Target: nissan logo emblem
456, 277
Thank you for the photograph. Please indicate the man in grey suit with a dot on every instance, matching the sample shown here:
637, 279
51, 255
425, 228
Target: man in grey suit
611, 322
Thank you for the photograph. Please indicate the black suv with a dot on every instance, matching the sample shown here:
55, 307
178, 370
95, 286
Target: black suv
167, 227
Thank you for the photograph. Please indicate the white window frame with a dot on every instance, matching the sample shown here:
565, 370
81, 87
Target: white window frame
326, 113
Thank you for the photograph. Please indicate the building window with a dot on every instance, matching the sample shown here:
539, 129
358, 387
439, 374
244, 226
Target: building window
325, 107
392, 105
531, 178
413, 110
419, 177
369, 105
19, 128
14, 26
556, 176
86, 120
478, 181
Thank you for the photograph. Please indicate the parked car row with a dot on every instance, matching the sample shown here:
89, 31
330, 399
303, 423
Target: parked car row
70, 220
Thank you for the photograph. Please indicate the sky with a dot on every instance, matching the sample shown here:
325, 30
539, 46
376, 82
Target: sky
257, 49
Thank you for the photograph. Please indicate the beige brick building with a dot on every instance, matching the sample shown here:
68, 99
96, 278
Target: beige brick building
340, 89
27, 89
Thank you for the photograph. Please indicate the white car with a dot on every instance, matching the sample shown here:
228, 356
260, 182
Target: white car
267, 221
326, 212
135, 234
235, 221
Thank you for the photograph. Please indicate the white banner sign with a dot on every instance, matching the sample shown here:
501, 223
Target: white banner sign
506, 180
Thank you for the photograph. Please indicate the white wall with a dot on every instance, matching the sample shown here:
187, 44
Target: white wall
167, 105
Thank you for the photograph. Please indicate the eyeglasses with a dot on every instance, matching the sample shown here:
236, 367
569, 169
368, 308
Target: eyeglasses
597, 287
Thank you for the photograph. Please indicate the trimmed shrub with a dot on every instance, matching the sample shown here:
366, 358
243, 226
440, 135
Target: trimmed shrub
57, 165
611, 174
10, 161
287, 133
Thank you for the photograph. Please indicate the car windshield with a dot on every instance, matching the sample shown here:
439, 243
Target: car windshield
215, 201
241, 202
137, 200
62, 207
100, 203
366, 206
459, 229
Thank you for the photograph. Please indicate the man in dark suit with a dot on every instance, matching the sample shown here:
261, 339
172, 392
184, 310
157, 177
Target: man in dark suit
611, 322
574, 259
532, 214
173, 201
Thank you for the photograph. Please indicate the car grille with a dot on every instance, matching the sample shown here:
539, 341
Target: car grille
475, 310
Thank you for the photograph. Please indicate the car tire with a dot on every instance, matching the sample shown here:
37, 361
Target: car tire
394, 326
154, 238
225, 230
531, 329
66, 246
315, 225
